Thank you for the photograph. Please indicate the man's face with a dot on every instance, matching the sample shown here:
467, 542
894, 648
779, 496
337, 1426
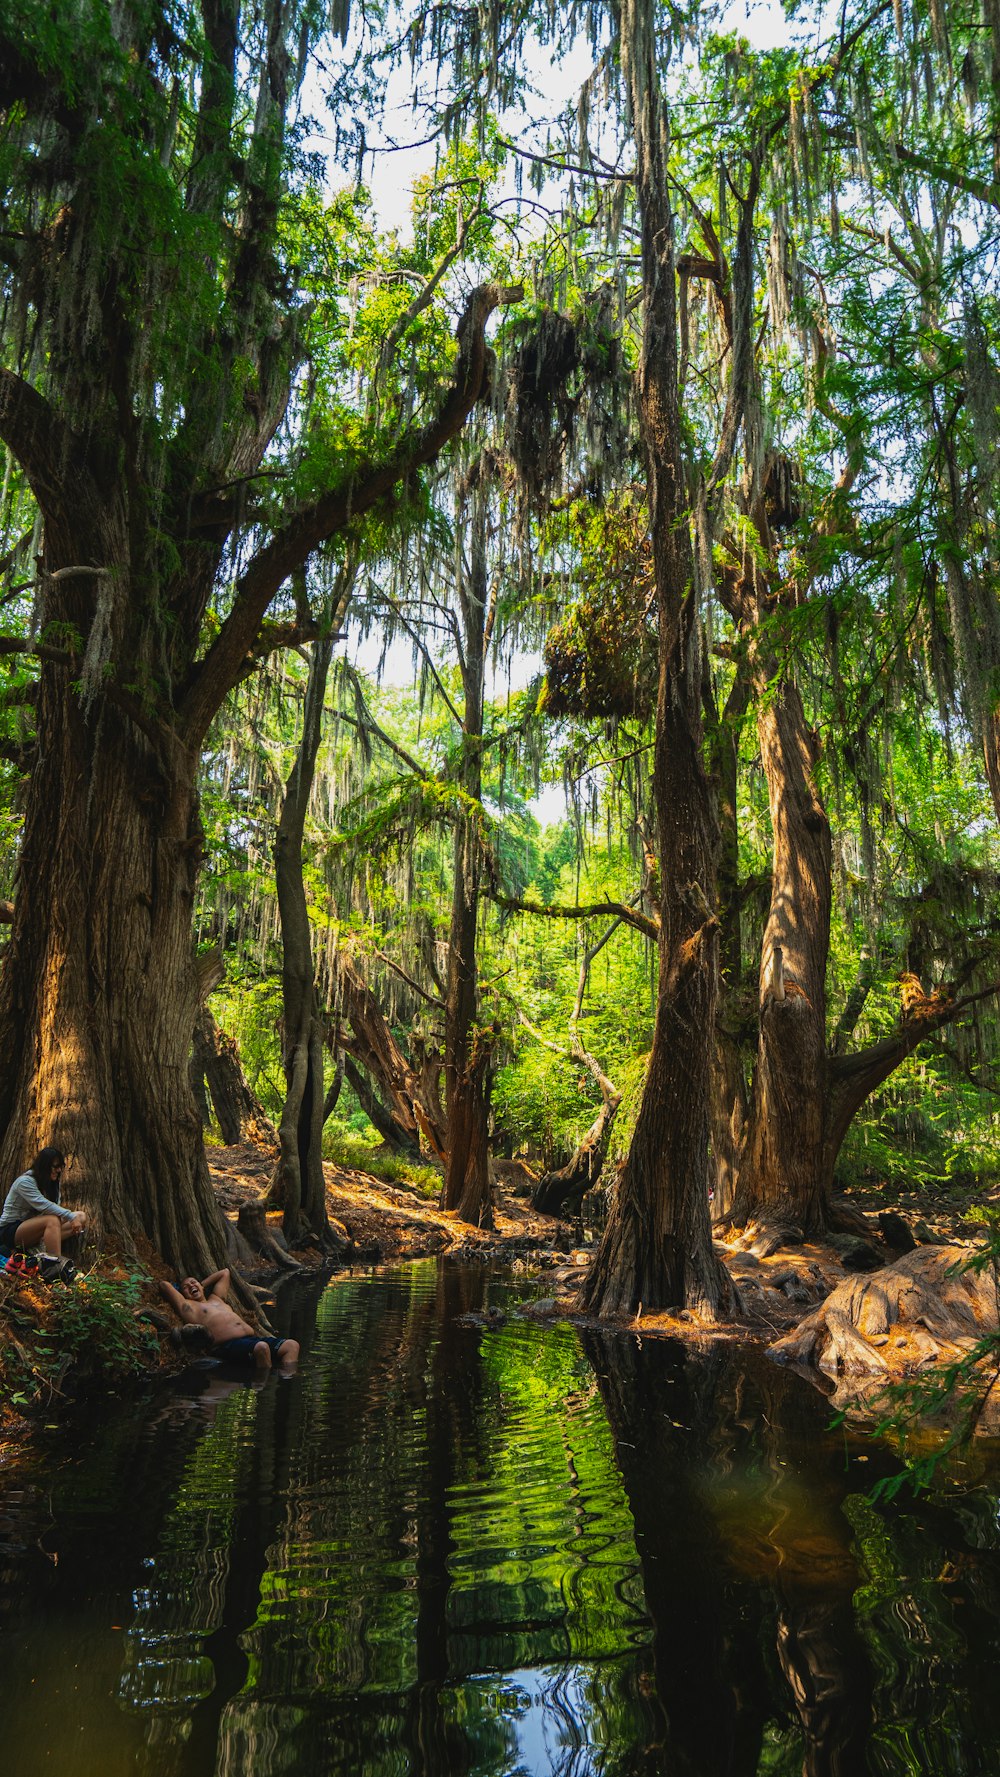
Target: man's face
192, 1289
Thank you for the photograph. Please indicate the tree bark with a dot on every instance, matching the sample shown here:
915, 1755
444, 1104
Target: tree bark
239, 1113
99, 991
657, 1246
781, 1174
728, 1090
468, 1054
299, 1185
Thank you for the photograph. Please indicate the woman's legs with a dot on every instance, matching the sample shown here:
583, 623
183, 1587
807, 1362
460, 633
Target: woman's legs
47, 1229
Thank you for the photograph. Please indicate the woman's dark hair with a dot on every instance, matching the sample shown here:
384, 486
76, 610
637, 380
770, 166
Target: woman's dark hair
41, 1169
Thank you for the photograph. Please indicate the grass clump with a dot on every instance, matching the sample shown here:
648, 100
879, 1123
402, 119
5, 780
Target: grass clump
355, 1154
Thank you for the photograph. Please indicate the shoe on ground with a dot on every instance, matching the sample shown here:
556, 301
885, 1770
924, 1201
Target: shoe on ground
53, 1268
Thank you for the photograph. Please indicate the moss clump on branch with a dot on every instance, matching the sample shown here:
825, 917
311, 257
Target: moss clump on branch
601, 660
566, 371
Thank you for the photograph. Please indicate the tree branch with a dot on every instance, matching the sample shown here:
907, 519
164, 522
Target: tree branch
987, 191
629, 916
42, 443
431, 998
370, 726
334, 510
854, 1077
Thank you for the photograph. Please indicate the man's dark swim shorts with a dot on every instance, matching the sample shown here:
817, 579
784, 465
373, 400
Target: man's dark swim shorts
240, 1351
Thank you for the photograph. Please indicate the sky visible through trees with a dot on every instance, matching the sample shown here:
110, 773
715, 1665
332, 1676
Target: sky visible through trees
610, 478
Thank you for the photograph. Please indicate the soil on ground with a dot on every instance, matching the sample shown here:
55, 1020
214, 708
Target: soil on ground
390, 1223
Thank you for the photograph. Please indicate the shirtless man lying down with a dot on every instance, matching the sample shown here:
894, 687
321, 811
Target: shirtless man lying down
204, 1305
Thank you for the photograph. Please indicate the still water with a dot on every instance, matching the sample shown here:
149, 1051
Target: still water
448, 1548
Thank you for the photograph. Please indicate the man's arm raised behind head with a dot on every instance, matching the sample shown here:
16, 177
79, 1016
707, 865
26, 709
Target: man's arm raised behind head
217, 1284
173, 1296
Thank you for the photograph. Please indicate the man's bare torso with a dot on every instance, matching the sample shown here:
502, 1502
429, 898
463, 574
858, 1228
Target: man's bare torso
219, 1320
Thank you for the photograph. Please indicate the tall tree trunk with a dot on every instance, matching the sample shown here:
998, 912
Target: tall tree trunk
98, 995
728, 1090
657, 1246
299, 1185
468, 1064
468, 1057
239, 1113
99, 990
781, 1175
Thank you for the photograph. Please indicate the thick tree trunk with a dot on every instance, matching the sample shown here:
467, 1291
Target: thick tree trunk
781, 1177
238, 1111
99, 994
657, 1247
299, 1185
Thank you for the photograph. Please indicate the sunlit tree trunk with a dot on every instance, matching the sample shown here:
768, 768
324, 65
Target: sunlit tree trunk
781, 1170
99, 992
657, 1246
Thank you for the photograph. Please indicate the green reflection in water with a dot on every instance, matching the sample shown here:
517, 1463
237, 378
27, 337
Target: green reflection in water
930, 1616
165, 1672
455, 1584
445, 1549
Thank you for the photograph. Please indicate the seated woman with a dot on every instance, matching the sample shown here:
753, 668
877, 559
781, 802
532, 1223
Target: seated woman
30, 1218
204, 1305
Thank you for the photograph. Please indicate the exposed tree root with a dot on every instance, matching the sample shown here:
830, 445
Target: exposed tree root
896, 1323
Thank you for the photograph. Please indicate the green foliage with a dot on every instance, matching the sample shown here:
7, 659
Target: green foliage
355, 1154
83, 1335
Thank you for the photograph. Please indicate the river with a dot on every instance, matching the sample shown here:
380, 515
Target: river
509, 1550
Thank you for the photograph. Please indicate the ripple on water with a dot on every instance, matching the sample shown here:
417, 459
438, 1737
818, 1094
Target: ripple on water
457, 1545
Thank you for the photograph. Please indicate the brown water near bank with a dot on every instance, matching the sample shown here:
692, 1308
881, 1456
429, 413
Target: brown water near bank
514, 1548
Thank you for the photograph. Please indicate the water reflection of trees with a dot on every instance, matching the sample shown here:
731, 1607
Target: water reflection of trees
462, 1548
180, 1602
453, 1585
746, 1566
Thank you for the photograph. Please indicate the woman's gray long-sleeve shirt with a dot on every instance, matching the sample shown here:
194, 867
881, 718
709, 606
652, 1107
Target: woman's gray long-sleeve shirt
24, 1199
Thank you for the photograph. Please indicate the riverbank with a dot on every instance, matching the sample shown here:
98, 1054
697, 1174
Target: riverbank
62, 1344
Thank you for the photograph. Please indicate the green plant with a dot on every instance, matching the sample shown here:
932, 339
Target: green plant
73, 1335
357, 1155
